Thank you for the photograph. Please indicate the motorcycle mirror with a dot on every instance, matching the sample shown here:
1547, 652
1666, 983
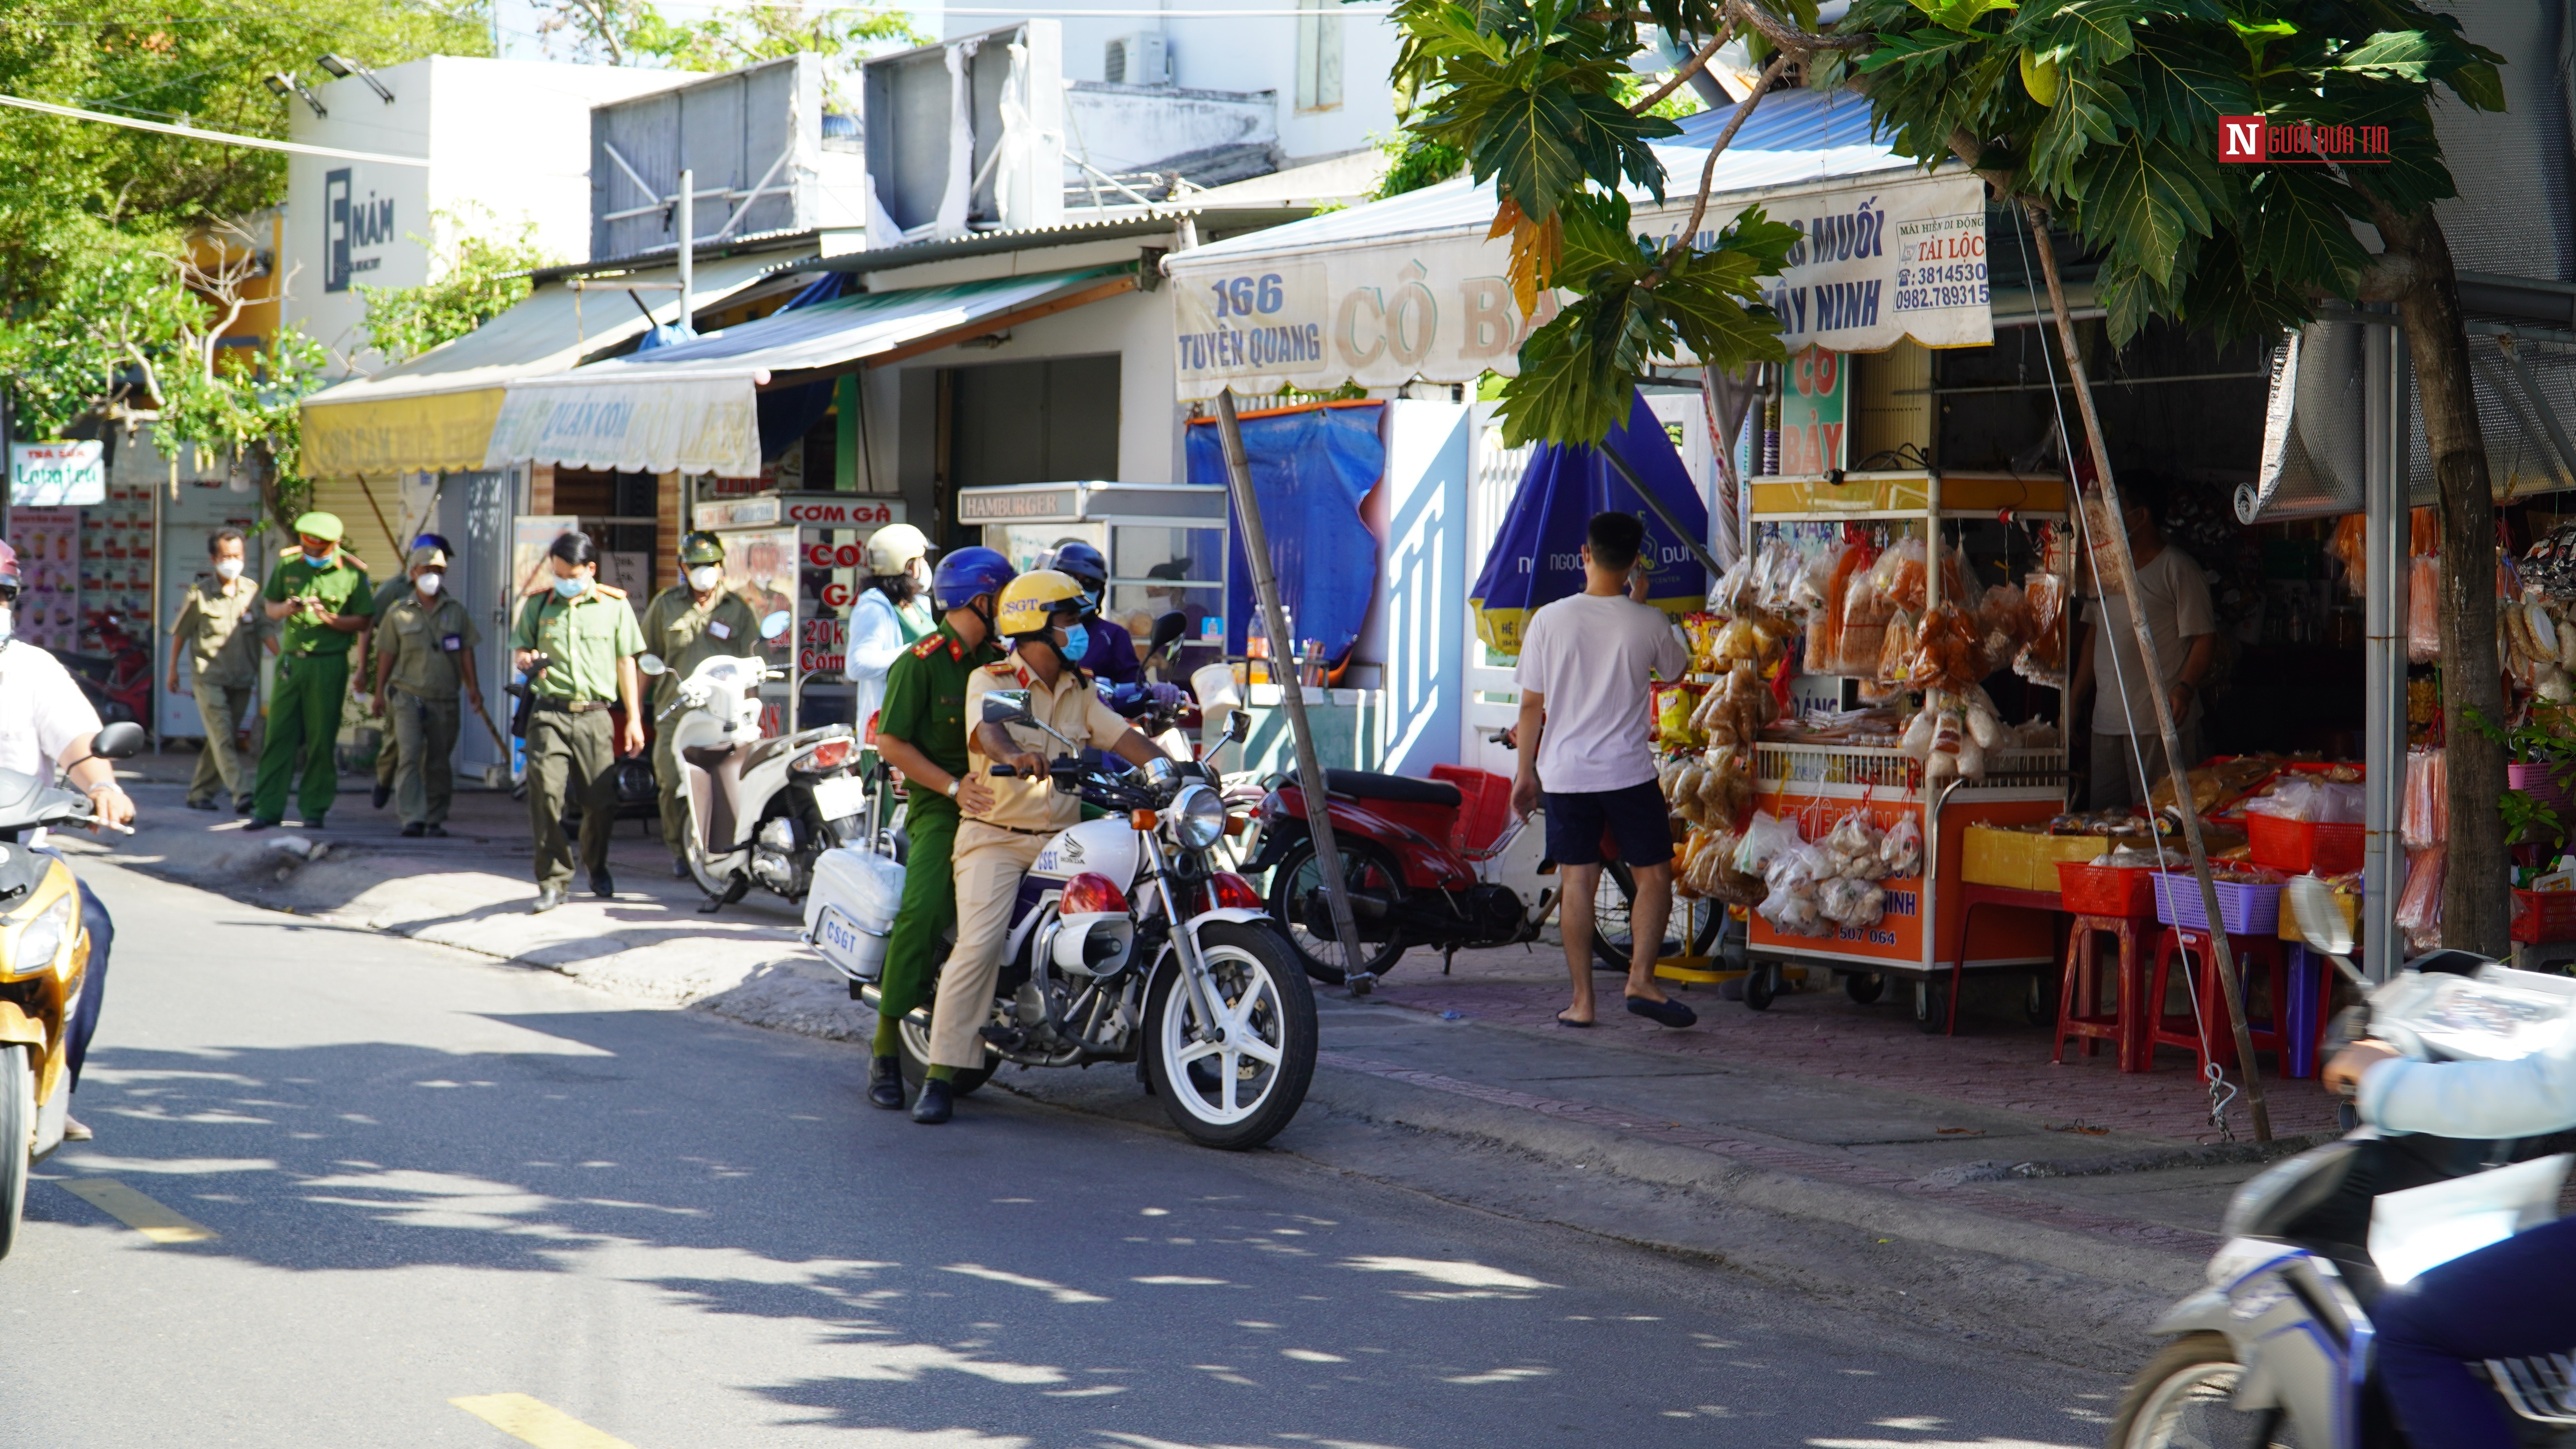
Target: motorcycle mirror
119, 741
2321, 919
1236, 727
1008, 707
651, 664
776, 624
1167, 631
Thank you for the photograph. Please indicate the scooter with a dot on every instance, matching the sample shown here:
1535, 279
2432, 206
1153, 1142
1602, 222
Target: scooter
2277, 1349
761, 811
44, 965
118, 680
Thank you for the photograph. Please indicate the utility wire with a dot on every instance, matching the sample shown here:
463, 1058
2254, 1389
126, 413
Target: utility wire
197, 133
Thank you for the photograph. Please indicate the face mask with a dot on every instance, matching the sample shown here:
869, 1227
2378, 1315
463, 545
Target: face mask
8, 623
429, 584
705, 577
571, 588
1077, 643
228, 569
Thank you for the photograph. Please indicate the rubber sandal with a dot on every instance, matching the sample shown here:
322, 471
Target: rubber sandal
1663, 1013
1561, 1021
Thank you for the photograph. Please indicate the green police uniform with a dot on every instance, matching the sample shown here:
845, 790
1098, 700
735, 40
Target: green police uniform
388, 751
925, 707
312, 680
571, 748
220, 625
425, 641
686, 633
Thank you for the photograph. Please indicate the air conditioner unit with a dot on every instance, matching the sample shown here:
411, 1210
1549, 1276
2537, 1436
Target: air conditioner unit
1142, 59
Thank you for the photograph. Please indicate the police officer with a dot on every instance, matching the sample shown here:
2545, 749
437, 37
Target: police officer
424, 650
1042, 614
398, 587
921, 731
688, 623
219, 632
320, 601
586, 631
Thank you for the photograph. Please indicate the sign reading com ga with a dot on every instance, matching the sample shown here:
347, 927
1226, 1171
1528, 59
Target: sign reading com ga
1900, 256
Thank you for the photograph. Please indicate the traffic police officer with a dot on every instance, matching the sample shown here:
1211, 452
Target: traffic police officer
1042, 614
388, 593
217, 631
690, 622
320, 601
921, 731
424, 649
586, 631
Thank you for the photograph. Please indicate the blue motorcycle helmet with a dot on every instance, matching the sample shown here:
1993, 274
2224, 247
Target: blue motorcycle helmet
1084, 565
967, 572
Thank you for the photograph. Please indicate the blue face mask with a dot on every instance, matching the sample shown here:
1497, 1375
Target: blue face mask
1077, 643
571, 588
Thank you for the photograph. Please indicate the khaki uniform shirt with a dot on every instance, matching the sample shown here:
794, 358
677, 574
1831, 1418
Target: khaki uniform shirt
1071, 709
222, 632
424, 640
340, 584
585, 638
687, 633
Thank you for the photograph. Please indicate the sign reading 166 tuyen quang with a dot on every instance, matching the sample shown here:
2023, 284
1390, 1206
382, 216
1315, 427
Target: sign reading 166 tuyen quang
1884, 258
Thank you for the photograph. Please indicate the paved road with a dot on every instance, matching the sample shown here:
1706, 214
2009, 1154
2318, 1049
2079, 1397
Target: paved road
433, 1179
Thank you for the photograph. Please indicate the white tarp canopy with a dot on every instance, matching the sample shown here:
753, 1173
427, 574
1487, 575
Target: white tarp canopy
1411, 288
693, 407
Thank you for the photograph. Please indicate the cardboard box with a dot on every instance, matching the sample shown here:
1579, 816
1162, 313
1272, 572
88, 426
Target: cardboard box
2021, 860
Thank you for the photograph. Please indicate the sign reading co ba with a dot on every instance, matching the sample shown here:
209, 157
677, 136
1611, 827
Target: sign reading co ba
2260, 140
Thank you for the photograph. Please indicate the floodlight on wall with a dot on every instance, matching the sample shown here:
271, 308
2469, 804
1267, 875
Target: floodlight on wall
282, 83
343, 67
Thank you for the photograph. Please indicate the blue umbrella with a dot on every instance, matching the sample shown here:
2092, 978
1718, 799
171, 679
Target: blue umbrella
1535, 560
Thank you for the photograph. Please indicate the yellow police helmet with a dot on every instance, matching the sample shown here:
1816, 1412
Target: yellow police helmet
892, 549
1031, 599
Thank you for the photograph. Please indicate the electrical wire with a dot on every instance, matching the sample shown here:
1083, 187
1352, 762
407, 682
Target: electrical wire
196, 133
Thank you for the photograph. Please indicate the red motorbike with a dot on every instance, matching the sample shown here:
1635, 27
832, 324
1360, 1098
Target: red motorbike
118, 679
1441, 863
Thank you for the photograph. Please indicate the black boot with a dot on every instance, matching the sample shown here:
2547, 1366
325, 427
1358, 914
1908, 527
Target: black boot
934, 1104
885, 1084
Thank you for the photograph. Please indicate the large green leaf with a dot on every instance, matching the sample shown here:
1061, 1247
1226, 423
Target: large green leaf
1960, 15
2147, 200
2184, 87
2299, 231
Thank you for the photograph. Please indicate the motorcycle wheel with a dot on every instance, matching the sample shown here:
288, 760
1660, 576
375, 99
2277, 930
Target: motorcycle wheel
912, 1058
17, 1128
1364, 867
2185, 1396
1269, 1046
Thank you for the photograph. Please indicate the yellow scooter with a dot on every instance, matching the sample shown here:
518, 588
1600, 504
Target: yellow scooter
44, 963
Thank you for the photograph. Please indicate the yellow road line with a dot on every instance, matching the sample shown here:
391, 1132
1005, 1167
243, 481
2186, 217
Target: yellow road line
540, 1424
138, 1212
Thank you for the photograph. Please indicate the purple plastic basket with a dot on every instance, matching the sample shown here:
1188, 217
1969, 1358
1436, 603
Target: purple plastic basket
2245, 910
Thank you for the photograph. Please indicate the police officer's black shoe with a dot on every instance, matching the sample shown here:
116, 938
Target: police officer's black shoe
415, 830
679, 868
241, 805
548, 897
601, 886
383, 793
436, 829
313, 824
201, 804
934, 1104
885, 1084
255, 823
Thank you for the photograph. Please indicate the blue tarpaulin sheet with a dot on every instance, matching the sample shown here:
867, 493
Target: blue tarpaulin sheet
1535, 558
1311, 467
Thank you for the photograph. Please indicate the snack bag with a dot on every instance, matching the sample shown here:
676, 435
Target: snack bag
1673, 705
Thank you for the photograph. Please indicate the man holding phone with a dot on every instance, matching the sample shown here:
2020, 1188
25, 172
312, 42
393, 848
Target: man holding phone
320, 601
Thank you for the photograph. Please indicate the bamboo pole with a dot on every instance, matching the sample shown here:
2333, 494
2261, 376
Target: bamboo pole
2125, 569
1310, 770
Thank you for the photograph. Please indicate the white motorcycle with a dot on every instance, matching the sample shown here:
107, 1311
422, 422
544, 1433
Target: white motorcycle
760, 811
1125, 946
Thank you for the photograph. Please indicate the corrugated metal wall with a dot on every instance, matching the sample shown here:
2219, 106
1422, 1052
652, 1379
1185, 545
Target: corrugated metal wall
371, 512
2512, 215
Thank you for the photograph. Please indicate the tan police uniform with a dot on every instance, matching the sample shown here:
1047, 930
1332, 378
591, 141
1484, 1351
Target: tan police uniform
221, 627
572, 751
994, 849
424, 641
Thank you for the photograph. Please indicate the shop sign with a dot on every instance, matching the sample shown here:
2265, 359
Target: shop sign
57, 475
840, 510
760, 512
1813, 407
1000, 506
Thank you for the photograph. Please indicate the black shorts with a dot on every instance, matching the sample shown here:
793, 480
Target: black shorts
1635, 816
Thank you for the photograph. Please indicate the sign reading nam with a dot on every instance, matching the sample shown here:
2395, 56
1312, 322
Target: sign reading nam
351, 224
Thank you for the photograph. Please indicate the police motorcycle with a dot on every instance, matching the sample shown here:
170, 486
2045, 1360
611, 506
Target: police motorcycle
2276, 1350
44, 965
1124, 946
761, 811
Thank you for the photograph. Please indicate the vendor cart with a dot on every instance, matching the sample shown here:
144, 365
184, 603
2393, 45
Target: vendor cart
1936, 928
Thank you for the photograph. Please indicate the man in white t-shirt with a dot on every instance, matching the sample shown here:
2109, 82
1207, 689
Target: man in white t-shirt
1587, 754
46, 722
2174, 597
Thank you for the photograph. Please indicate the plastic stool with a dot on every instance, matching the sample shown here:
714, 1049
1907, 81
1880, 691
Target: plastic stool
2309, 1011
2079, 999
2250, 953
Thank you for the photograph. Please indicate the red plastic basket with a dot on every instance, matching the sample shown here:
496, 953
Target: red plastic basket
1484, 805
2244, 910
2301, 846
2086, 889
2544, 916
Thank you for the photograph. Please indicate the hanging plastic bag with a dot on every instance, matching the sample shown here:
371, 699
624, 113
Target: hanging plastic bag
2419, 909
2423, 610
1900, 851
2426, 820
1765, 836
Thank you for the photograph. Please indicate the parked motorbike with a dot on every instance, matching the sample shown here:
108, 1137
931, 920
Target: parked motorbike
118, 679
1126, 947
760, 811
44, 965
2277, 1349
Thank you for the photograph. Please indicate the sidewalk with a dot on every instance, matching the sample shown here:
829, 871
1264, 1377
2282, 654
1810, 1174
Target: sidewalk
1959, 1180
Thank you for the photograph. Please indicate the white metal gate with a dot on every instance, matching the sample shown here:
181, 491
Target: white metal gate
1492, 702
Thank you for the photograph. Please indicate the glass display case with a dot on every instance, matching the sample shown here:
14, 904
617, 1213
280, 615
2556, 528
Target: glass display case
1165, 544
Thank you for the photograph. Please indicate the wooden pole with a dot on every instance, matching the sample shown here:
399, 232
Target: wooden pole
2124, 568
1310, 770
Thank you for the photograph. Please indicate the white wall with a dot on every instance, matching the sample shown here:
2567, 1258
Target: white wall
509, 137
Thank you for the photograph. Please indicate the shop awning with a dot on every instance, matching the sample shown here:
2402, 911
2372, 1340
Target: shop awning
691, 407
434, 413
1411, 288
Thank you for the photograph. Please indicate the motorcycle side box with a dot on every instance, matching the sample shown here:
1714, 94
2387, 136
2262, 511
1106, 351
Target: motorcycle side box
863, 886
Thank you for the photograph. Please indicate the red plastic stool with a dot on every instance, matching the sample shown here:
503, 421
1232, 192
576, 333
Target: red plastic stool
2251, 953
2080, 1014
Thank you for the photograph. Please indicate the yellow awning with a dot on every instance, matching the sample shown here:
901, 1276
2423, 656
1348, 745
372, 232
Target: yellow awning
424, 433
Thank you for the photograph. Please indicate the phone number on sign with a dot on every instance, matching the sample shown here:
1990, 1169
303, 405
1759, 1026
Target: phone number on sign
1921, 298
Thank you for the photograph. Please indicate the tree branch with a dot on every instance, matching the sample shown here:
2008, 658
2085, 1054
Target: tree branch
1708, 172
1687, 69
1788, 38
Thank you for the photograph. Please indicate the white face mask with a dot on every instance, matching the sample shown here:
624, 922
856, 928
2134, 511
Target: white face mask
429, 584
228, 569
705, 577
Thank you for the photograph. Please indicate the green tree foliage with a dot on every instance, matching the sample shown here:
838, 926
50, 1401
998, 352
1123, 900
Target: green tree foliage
478, 277
635, 32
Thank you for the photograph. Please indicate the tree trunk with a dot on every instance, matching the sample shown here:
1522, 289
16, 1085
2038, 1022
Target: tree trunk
2476, 912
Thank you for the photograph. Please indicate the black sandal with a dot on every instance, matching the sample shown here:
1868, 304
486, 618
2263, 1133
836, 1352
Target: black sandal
1663, 1013
1561, 1021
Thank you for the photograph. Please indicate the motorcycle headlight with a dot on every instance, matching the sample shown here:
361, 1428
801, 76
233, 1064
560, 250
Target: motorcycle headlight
1198, 817
41, 941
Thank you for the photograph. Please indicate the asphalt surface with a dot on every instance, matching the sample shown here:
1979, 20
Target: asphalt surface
431, 1178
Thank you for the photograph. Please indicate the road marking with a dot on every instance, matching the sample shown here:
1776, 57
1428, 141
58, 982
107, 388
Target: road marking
138, 1212
537, 1423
